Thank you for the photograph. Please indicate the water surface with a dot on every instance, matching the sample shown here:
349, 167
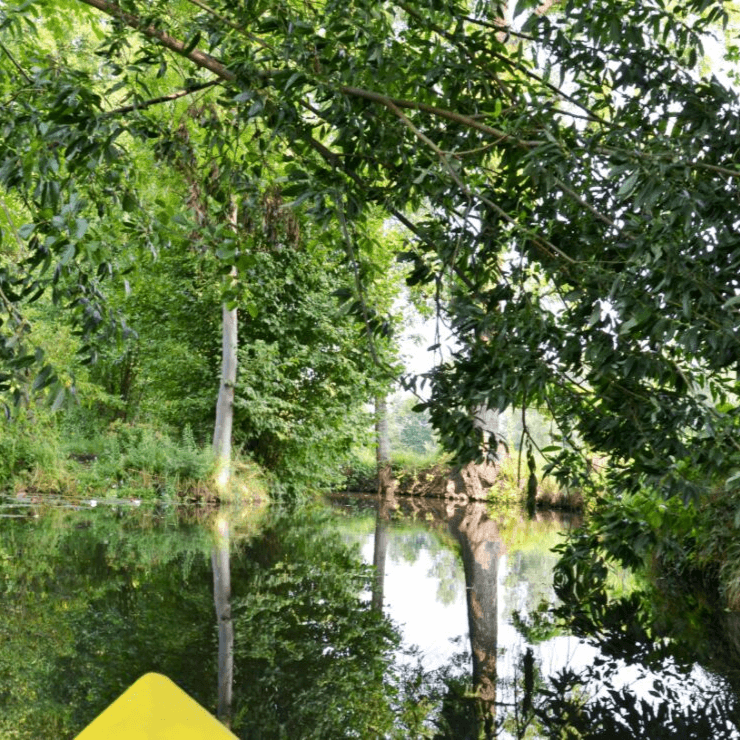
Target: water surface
447, 638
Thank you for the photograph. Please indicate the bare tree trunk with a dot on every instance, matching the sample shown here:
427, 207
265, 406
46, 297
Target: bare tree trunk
386, 483
222, 599
383, 453
225, 404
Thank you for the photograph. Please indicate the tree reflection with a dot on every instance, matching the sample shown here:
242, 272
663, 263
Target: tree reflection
466, 699
380, 550
92, 602
100, 601
480, 547
220, 562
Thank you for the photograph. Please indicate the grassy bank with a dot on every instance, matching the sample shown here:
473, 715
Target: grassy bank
39, 457
413, 471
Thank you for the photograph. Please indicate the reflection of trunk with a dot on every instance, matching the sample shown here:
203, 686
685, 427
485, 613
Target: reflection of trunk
379, 551
222, 601
480, 547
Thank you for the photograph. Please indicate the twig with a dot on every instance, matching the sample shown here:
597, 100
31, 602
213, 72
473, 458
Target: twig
439, 112
20, 69
230, 24
358, 281
161, 99
458, 181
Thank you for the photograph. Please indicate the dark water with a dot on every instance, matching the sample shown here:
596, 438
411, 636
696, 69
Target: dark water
450, 637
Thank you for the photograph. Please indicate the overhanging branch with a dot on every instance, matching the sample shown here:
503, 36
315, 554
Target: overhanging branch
206, 61
162, 99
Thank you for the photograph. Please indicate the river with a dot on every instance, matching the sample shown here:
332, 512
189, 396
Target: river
411, 619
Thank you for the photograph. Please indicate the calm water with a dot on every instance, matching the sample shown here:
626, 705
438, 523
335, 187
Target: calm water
449, 637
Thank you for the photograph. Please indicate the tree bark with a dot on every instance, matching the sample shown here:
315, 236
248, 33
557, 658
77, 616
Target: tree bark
386, 482
486, 420
383, 452
225, 403
222, 600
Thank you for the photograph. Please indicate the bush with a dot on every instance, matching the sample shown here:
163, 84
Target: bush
360, 470
29, 445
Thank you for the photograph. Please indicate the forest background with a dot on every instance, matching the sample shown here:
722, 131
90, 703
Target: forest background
559, 180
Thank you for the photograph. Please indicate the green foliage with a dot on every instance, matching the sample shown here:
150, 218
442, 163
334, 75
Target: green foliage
410, 463
673, 592
142, 448
591, 216
409, 430
303, 371
125, 459
569, 710
361, 470
25, 452
168, 372
567, 186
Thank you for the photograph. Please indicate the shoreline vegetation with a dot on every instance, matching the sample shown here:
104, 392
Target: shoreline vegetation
503, 483
125, 461
496, 484
45, 454
41, 460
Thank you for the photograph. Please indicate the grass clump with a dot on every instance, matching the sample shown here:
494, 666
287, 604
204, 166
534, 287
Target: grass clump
31, 453
143, 459
511, 487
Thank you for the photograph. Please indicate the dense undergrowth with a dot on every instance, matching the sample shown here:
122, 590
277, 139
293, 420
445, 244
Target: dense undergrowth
42, 455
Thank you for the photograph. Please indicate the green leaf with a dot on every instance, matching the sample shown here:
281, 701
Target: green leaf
80, 227
628, 185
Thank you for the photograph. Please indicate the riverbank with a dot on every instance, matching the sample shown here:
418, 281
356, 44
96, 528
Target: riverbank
126, 461
502, 482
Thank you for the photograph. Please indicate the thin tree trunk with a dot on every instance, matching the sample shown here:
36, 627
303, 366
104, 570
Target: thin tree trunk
383, 452
225, 404
222, 599
386, 482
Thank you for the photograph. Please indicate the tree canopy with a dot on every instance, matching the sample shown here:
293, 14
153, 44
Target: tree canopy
566, 175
